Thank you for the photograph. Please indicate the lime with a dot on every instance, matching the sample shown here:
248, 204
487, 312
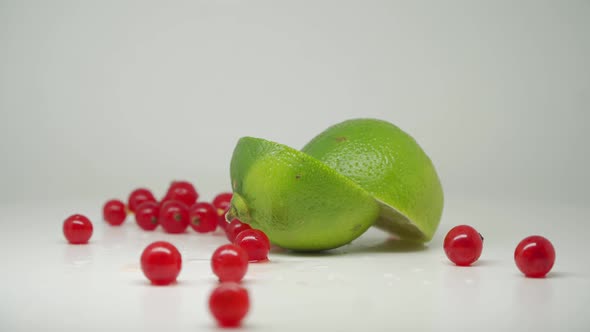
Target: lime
299, 202
389, 164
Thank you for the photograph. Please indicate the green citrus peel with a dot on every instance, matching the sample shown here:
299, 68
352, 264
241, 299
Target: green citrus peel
354, 175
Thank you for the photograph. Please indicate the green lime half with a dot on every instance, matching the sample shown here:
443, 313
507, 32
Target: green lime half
299, 202
389, 164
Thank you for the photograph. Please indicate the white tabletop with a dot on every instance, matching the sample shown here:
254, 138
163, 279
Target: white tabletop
97, 98
373, 284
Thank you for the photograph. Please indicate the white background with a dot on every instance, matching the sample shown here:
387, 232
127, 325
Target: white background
97, 98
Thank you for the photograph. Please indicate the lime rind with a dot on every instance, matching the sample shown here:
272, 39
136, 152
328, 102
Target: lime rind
355, 174
299, 202
389, 164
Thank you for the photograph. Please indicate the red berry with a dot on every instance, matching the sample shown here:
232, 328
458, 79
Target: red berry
182, 191
77, 229
222, 201
229, 303
114, 212
203, 217
139, 196
161, 262
146, 215
463, 245
221, 222
234, 228
534, 256
229, 263
174, 217
255, 243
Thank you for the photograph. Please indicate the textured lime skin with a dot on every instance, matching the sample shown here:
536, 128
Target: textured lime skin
388, 163
300, 203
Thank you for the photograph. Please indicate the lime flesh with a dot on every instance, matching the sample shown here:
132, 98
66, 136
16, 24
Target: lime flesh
298, 201
389, 164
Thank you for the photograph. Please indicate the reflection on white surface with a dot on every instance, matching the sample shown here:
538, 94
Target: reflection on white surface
532, 299
374, 283
78, 255
114, 237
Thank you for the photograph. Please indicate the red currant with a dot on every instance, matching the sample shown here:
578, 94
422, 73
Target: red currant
234, 228
221, 222
229, 303
139, 196
534, 256
146, 215
203, 217
161, 263
255, 243
463, 245
182, 191
222, 201
229, 263
174, 217
77, 229
114, 212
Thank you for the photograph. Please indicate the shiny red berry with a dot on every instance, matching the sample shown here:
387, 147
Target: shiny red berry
234, 228
222, 201
229, 303
114, 212
147, 214
161, 263
139, 196
77, 229
229, 263
221, 222
534, 256
203, 217
182, 191
174, 217
255, 243
463, 245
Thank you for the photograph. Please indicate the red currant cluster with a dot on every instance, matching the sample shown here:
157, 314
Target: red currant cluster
161, 261
534, 255
175, 212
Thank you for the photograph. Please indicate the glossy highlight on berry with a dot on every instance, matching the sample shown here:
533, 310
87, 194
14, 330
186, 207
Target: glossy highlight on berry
229, 263
174, 217
234, 228
203, 217
182, 191
161, 263
77, 229
255, 243
222, 201
139, 196
535, 256
114, 212
463, 245
147, 215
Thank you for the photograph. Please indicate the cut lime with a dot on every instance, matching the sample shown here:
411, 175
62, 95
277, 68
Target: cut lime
389, 164
299, 202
